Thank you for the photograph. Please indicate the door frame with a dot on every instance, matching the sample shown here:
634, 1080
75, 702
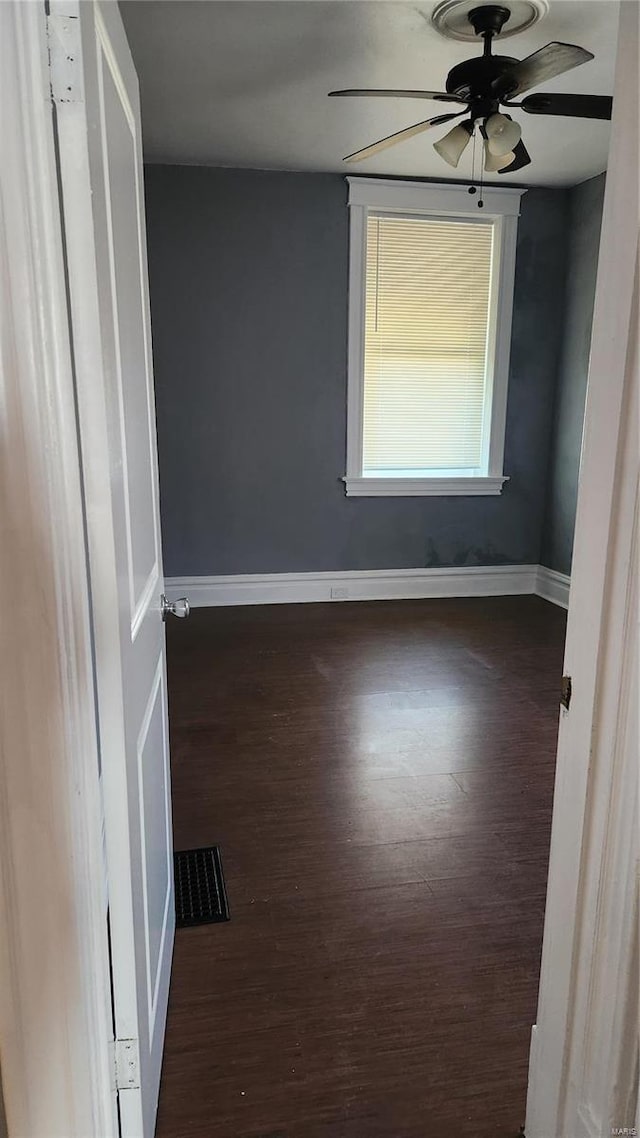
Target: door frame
54, 963
588, 957
55, 998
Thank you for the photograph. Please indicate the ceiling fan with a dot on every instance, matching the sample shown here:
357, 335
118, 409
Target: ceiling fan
484, 84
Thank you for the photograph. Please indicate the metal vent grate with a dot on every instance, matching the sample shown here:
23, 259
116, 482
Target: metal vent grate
201, 898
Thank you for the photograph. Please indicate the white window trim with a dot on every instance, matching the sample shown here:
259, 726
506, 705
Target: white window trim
501, 204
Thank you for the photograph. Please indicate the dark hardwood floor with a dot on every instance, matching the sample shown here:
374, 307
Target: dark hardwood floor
379, 777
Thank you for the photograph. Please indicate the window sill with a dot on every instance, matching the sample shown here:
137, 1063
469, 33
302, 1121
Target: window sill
423, 487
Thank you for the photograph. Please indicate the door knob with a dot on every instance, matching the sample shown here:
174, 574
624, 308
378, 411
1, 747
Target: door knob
179, 607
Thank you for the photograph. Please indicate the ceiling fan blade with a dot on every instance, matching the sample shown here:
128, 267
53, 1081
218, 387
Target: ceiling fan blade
549, 61
521, 158
576, 106
439, 96
400, 136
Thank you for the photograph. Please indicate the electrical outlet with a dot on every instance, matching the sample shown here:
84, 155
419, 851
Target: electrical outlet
339, 592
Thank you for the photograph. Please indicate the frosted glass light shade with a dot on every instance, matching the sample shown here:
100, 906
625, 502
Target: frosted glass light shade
495, 162
452, 145
502, 134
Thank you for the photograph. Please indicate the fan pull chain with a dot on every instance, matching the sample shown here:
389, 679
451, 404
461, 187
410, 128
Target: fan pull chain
480, 201
474, 179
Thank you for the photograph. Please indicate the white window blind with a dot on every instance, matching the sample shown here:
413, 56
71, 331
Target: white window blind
428, 299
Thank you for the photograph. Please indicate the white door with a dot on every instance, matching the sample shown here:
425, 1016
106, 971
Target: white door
583, 1072
95, 93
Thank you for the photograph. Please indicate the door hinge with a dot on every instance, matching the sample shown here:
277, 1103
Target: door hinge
65, 59
565, 692
126, 1064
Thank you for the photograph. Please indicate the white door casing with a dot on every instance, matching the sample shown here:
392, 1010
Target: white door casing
583, 1074
98, 120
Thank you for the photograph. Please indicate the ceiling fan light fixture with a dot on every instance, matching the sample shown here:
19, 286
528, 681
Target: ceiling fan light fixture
502, 134
481, 85
495, 162
452, 146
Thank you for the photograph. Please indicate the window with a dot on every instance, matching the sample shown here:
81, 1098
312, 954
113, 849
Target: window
430, 299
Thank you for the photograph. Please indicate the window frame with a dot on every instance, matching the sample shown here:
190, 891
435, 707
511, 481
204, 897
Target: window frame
431, 200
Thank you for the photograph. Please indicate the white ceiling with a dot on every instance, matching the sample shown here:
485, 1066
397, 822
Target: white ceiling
245, 84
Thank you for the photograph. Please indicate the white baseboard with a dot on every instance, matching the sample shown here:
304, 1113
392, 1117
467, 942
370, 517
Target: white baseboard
357, 585
553, 586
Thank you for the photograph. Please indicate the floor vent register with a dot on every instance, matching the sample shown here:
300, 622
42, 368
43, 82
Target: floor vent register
201, 898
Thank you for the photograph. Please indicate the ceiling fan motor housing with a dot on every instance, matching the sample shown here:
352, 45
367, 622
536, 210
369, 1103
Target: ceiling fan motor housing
473, 79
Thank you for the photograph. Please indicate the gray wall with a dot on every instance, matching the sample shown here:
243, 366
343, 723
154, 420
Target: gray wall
585, 217
248, 276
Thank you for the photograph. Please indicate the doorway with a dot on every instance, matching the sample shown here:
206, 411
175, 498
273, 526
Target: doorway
74, 828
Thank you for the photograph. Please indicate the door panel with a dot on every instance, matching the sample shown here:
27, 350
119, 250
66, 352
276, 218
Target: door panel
127, 266
98, 115
155, 837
